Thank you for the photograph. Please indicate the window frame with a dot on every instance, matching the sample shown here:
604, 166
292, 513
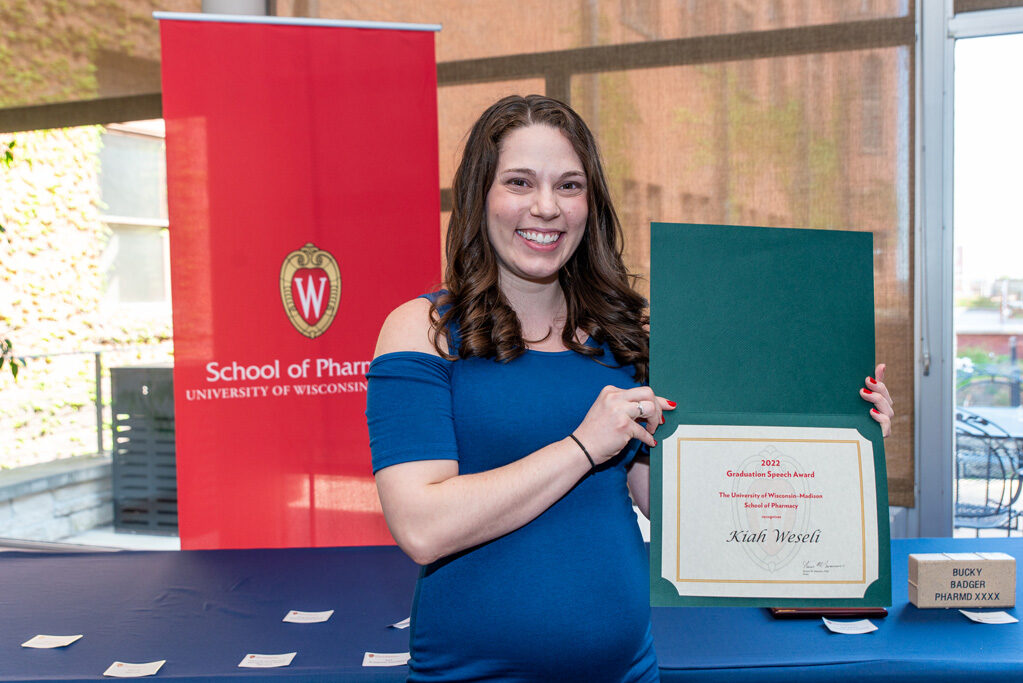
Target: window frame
113, 306
940, 27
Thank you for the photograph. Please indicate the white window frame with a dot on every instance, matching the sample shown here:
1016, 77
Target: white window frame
141, 309
939, 28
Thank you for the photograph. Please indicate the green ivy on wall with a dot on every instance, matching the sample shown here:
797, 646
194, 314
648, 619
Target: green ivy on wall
52, 283
6, 345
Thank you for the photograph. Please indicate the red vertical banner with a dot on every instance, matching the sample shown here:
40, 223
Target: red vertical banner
304, 201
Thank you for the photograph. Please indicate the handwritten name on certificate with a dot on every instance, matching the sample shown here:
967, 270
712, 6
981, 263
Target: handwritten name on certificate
768, 512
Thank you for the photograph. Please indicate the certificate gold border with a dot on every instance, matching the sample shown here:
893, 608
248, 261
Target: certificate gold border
678, 512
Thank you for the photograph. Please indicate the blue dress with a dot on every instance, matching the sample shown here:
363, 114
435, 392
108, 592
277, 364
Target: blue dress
565, 597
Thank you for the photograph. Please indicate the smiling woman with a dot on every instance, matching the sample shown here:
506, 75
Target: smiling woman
536, 215
531, 165
508, 418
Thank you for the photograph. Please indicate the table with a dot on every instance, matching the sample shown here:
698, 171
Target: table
910, 645
1009, 419
203, 611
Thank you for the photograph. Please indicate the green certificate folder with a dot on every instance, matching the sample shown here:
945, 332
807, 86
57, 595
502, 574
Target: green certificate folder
768, 484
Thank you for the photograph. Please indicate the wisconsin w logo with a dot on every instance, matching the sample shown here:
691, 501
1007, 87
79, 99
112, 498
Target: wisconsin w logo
310, 289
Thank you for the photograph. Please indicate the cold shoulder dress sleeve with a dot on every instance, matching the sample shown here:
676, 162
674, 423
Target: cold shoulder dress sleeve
565, 597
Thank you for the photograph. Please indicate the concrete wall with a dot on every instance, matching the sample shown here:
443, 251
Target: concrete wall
54, 500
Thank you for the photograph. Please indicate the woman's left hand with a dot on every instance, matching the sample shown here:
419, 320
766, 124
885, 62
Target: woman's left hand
877, 394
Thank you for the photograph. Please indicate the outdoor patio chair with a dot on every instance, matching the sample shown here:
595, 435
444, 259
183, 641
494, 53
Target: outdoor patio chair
988, 475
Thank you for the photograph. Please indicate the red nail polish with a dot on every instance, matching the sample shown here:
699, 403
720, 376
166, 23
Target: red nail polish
875, 410
662, 419
867, 391
872, 380
655, 442
672, 404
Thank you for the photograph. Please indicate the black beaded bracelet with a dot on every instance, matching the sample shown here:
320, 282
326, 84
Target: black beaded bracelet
585, 452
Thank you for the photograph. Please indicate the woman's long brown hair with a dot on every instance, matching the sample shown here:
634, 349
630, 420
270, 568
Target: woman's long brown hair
598, 291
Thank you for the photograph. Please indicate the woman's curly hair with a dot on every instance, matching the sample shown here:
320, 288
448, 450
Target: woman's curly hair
598, 288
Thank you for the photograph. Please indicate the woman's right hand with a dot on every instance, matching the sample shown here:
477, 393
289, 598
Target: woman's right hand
617, 417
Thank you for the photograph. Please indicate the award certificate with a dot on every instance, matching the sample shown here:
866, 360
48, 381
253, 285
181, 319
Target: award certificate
768, 484
768, 512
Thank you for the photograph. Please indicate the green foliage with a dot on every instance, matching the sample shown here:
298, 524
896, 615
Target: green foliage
6, 347
51, 46
981, 357
984, 378
980, 302
6, 159
7, 355
51, 209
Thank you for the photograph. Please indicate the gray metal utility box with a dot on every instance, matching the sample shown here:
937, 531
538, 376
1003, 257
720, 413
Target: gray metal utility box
144, 461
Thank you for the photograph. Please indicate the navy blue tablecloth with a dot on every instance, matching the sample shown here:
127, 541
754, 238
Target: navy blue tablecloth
910, 645
203, 611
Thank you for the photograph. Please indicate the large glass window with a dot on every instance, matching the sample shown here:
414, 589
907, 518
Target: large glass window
133, 170
988, 287
133, 191
782, 113
136, 271
777, 113
85, 288
490, 28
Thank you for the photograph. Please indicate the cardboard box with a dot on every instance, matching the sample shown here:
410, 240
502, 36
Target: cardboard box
962, 580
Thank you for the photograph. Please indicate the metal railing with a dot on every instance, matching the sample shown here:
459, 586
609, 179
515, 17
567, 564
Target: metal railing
43, 410
98, 386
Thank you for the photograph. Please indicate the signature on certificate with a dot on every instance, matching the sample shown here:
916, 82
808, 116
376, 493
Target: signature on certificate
820, 566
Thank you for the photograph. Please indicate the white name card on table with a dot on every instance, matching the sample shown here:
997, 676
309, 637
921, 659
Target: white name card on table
404, 623
385, 658
990, 617
47, 642
297, 617
126, 670
850, 627
267, 661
